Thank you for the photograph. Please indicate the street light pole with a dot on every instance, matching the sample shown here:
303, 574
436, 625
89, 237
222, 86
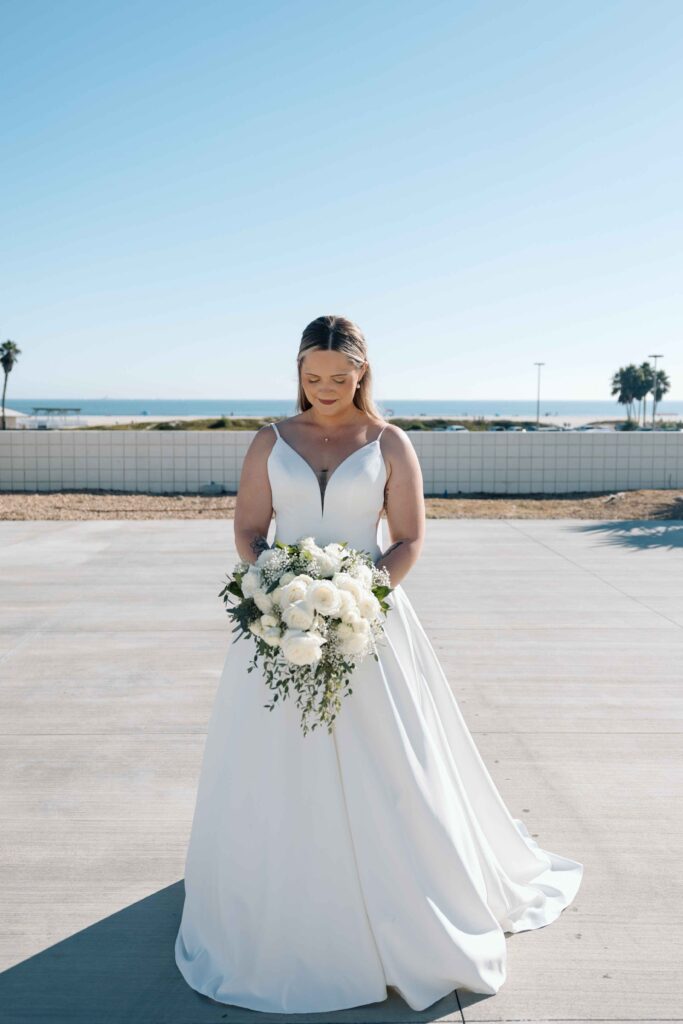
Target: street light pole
538, 392
654, 389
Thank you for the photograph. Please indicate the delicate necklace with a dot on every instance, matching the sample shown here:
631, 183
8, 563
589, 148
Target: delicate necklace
325, 439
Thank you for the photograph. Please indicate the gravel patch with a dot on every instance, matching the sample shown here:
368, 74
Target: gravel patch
645, 504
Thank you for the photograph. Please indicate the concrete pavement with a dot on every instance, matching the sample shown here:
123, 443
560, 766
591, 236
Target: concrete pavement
563, 641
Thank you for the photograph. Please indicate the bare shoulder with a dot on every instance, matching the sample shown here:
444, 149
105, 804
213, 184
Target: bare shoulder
262, 441
395, 441
284, 423
399, 454
391, 430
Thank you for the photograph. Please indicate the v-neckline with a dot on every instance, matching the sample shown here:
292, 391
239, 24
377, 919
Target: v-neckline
334, 471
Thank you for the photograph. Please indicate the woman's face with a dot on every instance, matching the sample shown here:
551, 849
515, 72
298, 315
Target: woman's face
329, 379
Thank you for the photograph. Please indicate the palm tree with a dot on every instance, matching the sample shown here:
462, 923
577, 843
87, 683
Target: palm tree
645, 377
663, 385
627, 384
648, 385
632, 383
8, 357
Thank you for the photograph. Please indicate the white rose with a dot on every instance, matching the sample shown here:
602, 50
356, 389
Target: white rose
302, 648
362, 627
335, 549
263, 601
267, 555
331, 559
269, 620
295, 590
354, 645
272, 636
346, 582
348, 609
358, 624
309, 544
327, 565
355, 638
369, 607
298, 615
353, 618
324, 597
256, 627
286, 578
251, 581
343, 630
362, 573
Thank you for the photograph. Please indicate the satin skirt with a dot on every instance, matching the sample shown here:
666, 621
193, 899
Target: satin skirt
323, 868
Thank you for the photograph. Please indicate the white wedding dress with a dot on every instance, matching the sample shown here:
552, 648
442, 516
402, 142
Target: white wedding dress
323, 868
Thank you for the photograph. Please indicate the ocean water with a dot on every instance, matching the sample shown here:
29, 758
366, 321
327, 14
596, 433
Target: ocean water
489, 408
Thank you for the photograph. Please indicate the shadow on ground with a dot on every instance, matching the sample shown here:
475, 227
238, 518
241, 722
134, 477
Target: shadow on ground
122, 971
634, 533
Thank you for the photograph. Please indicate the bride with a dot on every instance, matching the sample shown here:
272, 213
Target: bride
323, 869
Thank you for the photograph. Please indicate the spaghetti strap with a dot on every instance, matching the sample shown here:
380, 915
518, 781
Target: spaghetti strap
275, 429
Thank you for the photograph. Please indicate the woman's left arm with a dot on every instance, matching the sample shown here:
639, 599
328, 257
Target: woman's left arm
404, 503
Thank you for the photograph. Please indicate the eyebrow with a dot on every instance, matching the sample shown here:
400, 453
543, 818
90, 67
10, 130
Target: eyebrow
339, 373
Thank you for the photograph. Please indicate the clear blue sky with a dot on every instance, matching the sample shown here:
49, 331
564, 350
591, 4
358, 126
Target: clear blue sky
479, 185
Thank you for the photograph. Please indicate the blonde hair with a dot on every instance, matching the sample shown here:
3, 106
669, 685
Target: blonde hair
337, 334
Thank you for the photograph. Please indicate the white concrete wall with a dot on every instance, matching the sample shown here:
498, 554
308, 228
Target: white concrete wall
496, 462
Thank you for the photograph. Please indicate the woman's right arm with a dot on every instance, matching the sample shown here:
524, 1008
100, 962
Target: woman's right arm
253, 505
404, 506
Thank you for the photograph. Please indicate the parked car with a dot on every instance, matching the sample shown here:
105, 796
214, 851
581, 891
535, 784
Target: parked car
588, 428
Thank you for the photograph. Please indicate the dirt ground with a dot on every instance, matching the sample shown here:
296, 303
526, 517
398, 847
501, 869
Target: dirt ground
619, 505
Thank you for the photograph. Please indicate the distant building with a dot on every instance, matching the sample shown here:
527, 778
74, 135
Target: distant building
49, 417
14, 420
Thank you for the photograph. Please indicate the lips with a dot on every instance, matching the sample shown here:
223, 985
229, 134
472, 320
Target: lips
328, 401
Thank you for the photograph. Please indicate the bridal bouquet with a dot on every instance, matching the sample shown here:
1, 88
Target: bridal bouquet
314, 614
